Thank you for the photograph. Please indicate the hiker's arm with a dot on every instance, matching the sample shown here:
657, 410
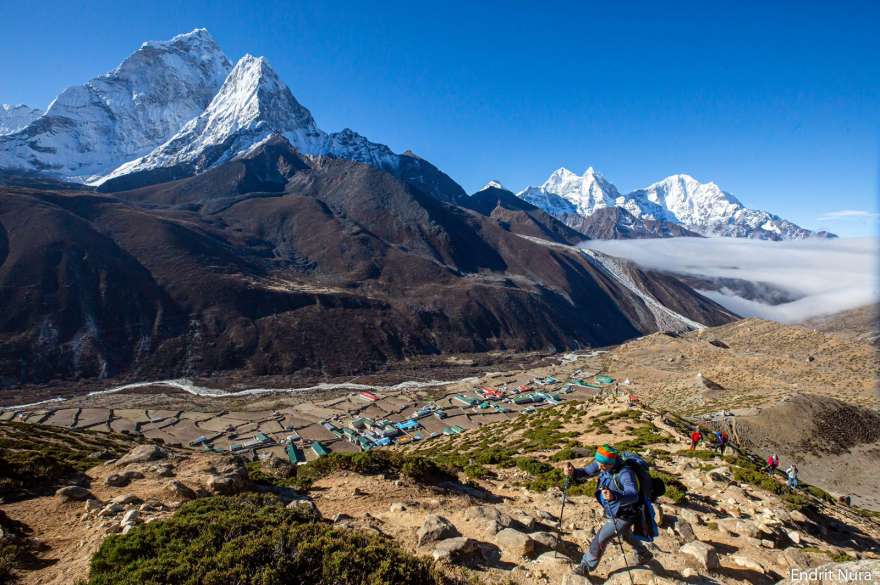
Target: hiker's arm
630, 493
585, 472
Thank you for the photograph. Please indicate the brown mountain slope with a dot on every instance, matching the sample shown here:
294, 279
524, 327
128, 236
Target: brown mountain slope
616, 223
521, 217
343, 270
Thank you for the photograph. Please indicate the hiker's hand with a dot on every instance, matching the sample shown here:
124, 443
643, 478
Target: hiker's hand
568, 470
607, 494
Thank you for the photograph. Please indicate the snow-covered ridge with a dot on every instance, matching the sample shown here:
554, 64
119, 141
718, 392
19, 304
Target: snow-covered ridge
252, 105
14, 118
90, 129
680, 199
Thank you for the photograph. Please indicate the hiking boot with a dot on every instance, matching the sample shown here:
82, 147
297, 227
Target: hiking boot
580, 571
644, 557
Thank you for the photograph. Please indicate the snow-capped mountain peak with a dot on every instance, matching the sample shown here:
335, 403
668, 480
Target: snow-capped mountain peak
585, 193
492, 184
252, 104
90, 129
679, 199
14, 118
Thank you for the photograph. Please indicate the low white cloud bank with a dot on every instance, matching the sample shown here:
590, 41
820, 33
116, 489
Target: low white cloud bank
826, 276
848, 214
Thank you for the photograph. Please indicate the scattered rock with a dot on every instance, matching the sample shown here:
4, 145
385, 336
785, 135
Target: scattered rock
111, 510
546, 539
435, 528
142, 454
302, 505
126, 499
690, 516
719, 474
459, 548
489, 518
545, 515
181, 489
685, 531
748, 563
702, 553
341, 518
572, 579
526, 521
794, 536
224, 485
123, 479
515, 543
798, 516
74, 493
92, 505
130, 517
397, 507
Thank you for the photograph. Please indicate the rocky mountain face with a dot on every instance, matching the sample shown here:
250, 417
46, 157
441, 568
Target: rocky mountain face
14, 118
520, 217
678, 200
616, 223
277, 263
90, 129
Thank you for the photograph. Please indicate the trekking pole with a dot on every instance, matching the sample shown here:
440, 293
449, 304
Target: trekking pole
561, 511
623, 554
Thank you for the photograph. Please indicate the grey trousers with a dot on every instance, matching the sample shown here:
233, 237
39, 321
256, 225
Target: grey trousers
604, 537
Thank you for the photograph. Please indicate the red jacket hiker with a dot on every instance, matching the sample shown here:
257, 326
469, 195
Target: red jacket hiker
696, 437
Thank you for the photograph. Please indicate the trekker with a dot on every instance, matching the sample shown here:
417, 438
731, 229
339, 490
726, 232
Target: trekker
772, 463
696, 437
792, 473
721, 440
618, 493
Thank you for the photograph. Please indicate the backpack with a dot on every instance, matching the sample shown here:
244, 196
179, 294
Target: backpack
650, 488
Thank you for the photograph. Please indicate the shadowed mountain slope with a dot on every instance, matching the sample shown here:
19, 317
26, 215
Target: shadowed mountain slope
275, 263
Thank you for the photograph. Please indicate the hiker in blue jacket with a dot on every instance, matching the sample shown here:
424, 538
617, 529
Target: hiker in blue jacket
618, 492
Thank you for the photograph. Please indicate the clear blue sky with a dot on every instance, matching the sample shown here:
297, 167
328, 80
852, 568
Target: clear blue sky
777, 102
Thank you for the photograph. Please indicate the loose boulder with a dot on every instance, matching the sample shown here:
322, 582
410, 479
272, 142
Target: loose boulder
142, 454
455, 549
74, 493
703, 554
684, 530
515, 543
435, 528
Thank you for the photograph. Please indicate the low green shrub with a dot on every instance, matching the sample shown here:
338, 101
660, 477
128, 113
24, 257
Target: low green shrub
253, 540
533, 466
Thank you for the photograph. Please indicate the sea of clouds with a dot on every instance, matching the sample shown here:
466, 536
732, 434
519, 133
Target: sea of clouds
826, 276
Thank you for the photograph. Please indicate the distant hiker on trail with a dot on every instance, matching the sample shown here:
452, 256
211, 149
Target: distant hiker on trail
792, 473
721, 440
696, 437
618, 493
772, 463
